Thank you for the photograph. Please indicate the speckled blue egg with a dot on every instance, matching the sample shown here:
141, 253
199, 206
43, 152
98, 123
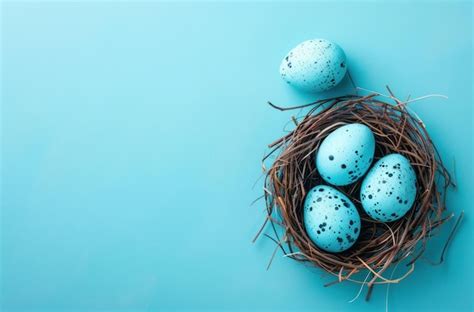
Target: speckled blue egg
389, 189
314, 65
331, 219
346, 154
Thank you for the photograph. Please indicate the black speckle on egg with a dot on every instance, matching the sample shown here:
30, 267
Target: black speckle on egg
346, 205
356, 230
321, 190
349, 238
370, 196
339, 239
331, 157
343, 166
319, 199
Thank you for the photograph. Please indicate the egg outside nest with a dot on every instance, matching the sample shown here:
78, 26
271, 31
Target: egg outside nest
293, 174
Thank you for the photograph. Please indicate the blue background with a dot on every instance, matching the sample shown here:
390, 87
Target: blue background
132, 134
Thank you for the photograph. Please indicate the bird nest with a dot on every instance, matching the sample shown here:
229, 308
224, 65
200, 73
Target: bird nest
293, 173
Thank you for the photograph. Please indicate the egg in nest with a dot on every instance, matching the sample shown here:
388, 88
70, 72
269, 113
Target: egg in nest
346, 154
389, 189
331, 219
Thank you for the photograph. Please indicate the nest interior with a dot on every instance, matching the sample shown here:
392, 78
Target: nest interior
293, 173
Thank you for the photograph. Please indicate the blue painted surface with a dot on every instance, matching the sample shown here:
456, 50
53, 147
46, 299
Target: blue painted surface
132, 135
